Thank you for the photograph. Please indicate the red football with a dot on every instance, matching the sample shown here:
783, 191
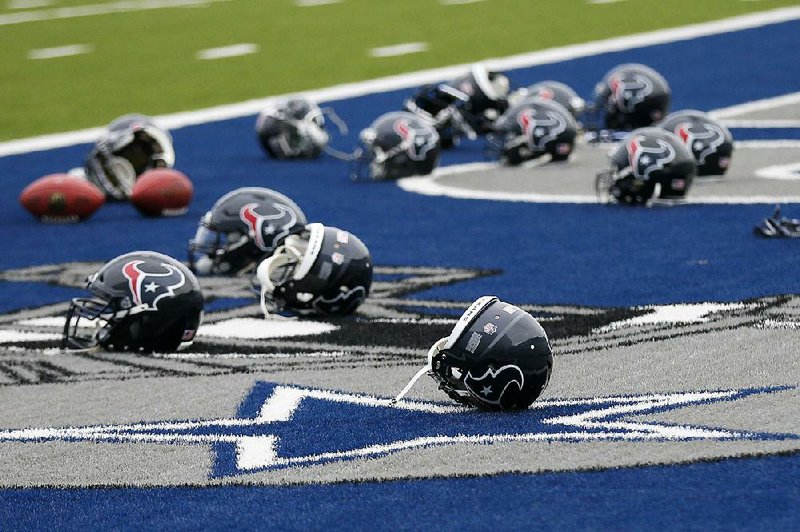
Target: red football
162, 192
61, 198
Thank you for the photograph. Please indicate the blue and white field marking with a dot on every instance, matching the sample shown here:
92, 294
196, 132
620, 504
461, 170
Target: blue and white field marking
271, 431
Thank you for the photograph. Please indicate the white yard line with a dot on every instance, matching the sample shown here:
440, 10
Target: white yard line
60, 51
458, 2
312, 3
350, 90
28, 4
234, 50
399, 49
90, 10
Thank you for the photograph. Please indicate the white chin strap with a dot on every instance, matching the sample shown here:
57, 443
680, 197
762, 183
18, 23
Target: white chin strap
284, 255
432, 352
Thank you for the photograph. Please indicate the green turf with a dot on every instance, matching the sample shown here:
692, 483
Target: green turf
145, 61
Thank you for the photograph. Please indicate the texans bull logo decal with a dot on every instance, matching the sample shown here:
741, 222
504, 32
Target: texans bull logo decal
490, 387
646, 159
148, 288
418, 141
629, 91
540, 128
703, 139
260, 225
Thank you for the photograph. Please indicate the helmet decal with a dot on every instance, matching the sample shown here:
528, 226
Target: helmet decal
348, 299
646, 159
545, 93
255, 222
540, 128
629, 91
490, 387
701, 137
148, 288
418, 140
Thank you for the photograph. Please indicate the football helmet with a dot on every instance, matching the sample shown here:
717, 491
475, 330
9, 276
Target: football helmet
323, 271
395, 145
140, 301
631, 96
552, 90
295, 129
648, 159
243, 227
710, 142
530, 129
464, 107
442, 106
487, 96
131, 145
497, 357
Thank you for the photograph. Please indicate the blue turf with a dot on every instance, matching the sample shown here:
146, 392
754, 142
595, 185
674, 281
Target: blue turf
582, 254
737, 494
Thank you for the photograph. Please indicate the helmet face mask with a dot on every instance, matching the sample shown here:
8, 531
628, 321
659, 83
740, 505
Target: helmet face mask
131, 145
324, 271
243, 227
141, 301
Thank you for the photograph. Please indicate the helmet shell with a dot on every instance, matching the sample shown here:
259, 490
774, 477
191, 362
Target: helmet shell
242, 228
144, 301
648, 157
331, 278
711, 142
532, 128
292, 129
400, 144
632, 96
498, 357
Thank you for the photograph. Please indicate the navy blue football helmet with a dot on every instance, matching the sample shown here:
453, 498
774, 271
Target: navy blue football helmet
497, 357
532, 128
463, 107
631, 96
140, 301
322, 271
243, 227
131, 145
710, 141
648, 162
295, 129
555, 91
395, 145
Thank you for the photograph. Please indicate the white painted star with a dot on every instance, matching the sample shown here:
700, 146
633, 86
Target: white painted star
486, 390
645, 159
151, 287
